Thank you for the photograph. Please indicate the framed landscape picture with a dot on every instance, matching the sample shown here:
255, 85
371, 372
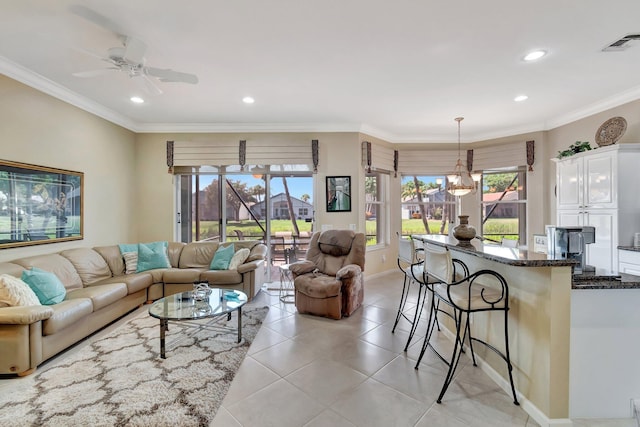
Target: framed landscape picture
338, 194
39, 204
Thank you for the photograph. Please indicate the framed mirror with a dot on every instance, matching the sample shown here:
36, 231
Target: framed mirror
39, 205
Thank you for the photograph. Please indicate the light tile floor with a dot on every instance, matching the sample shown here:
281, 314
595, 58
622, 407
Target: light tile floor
309, 371
305, 370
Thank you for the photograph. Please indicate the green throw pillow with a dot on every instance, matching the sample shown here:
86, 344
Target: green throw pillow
222, 258
47, 287
152, 255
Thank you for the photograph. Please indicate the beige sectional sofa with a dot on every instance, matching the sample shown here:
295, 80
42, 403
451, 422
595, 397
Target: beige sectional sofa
99, 292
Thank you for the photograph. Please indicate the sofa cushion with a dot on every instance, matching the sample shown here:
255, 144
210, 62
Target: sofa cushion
48, 288
222, 258
198, 254
91, 267
221, 277
113, 257
56, 264
173, 252
152, 255
238, 258
11, 268
100, 295
181, 275
67, 313
15, 292
135, 282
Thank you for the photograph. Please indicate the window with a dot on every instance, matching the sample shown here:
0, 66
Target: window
504, 205
426, 205
375, 208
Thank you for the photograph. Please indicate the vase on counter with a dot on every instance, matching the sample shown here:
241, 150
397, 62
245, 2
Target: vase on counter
464, 232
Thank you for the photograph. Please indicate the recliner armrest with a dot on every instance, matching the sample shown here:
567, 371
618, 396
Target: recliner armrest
302, 267
348, 271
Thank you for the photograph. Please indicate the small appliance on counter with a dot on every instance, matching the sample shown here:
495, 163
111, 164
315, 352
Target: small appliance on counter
570, 243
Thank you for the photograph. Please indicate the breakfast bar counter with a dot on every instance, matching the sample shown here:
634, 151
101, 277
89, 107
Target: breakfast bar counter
573, 339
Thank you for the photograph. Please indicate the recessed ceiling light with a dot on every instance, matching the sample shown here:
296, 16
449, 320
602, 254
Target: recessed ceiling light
248, 100
521, 98
137, 100
536, 54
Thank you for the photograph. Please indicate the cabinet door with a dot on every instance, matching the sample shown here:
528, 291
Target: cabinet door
603, 254
570, 218
569, 181
599, 178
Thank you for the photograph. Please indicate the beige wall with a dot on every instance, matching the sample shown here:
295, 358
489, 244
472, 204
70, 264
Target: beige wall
38, 129
584, 130
129, 194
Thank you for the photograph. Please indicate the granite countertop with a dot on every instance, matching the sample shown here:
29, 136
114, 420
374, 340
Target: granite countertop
495, 252
591, 281
630, 248
524, 258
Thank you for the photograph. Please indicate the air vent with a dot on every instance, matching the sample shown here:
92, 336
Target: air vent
621, 44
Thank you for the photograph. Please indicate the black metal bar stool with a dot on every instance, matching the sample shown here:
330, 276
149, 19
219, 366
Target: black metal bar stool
482, 291
410, 263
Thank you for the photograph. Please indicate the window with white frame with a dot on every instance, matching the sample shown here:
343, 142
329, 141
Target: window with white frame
375, 207
504, 205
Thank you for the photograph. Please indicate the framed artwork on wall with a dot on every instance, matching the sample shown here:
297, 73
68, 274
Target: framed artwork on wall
39, 204
338, 194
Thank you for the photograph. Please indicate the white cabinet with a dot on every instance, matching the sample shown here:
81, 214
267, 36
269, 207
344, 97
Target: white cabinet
629, 262
601, 188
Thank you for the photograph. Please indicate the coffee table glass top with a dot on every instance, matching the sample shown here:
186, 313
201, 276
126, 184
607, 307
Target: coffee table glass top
184, 306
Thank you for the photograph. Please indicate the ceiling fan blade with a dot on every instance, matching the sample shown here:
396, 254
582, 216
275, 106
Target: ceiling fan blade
150, 85
94, 73
98, 19
90, 53
134, 50
167, 75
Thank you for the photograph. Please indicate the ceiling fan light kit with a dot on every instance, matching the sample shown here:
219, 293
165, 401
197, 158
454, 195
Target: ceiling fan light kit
129, 58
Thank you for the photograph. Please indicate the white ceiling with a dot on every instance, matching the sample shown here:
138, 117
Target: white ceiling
401, 70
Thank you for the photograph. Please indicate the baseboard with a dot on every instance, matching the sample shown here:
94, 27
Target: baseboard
526, 404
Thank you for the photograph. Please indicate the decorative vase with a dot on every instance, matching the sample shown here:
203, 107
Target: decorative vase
464, 232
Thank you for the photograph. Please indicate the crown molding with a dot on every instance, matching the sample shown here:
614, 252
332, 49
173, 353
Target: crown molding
605, 104
41, 83
245, 127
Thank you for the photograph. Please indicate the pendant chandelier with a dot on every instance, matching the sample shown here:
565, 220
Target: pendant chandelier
460, 182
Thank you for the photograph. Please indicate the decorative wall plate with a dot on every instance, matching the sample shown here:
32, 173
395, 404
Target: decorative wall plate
611, 131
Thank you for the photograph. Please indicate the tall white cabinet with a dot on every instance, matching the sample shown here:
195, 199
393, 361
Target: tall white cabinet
601, 188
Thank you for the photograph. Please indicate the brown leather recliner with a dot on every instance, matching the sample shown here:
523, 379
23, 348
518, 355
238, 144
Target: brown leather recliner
330, 282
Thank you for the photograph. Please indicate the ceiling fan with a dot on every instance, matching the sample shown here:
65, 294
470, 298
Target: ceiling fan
128, 58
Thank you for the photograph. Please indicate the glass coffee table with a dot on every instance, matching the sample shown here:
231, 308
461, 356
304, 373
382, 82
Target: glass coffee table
187, 307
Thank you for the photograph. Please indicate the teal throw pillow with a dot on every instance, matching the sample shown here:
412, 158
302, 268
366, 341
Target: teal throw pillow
222, 258
128, 247
152, 255
47, 287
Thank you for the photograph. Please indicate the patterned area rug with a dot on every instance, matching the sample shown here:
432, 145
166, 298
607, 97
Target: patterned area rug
121, 379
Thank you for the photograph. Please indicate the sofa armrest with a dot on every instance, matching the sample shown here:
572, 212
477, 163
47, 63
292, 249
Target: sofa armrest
24, 315
249, 266
348, 271
302, 267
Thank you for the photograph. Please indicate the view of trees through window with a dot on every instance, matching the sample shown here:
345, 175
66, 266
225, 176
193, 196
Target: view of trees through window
504, 205
427, 208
